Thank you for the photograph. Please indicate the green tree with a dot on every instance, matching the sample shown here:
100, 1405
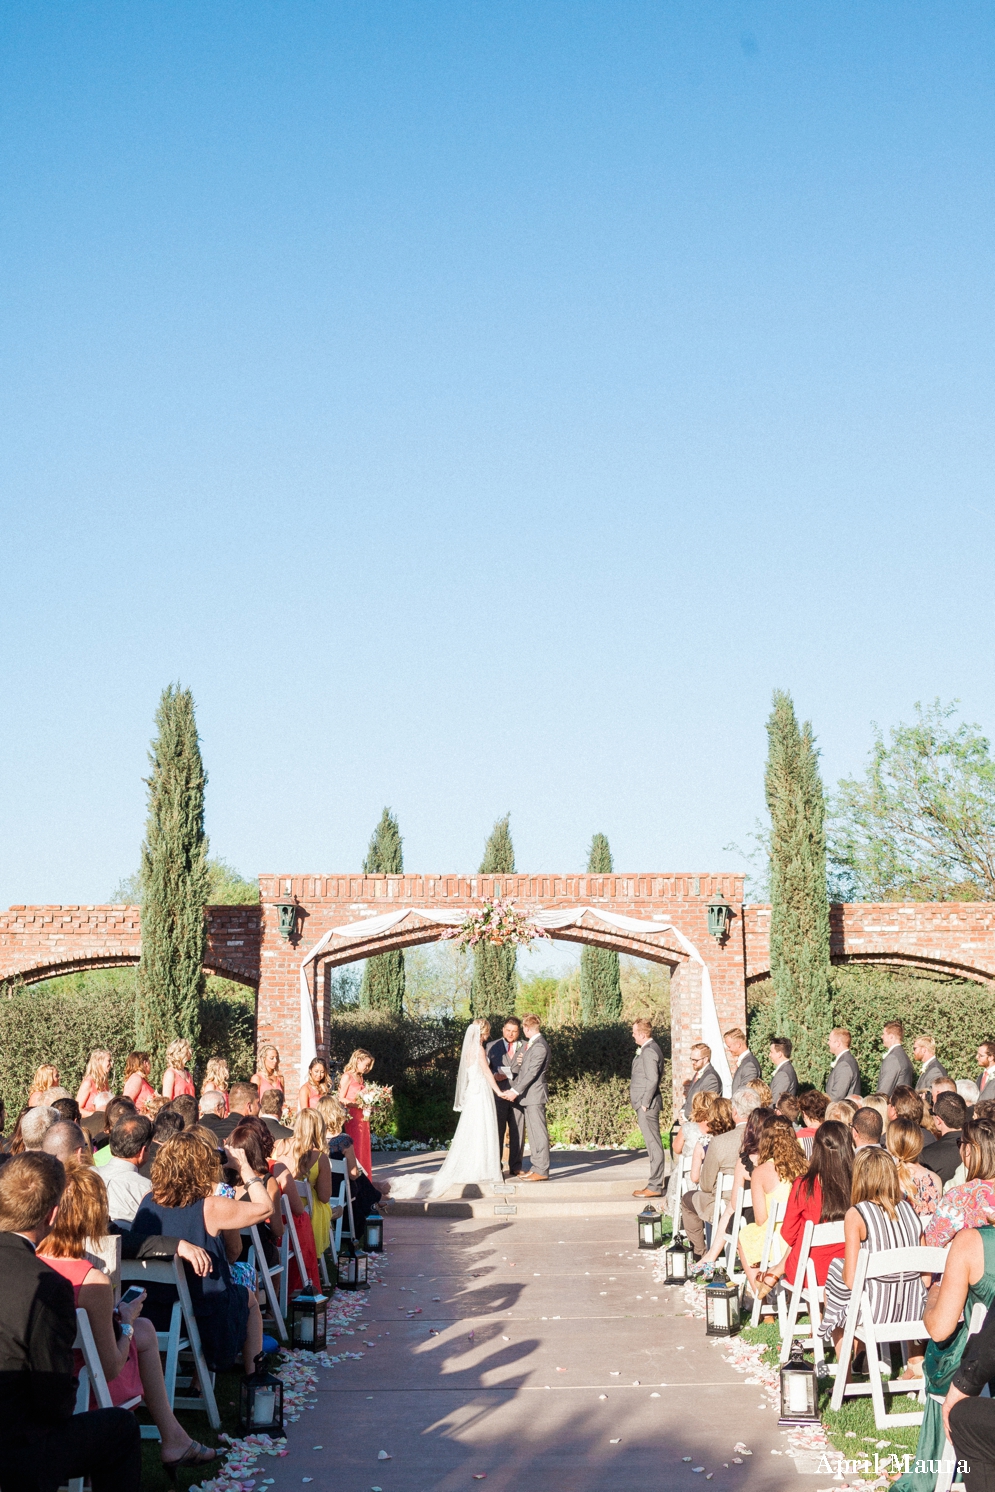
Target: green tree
600, 982
170, 981
226, 887
382, 987
492, 990
799, 931
920, 825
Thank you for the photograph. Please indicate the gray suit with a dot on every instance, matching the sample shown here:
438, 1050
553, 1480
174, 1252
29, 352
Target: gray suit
844, 1078
533, 1095
696, 1207
930, 1072
707, 1081
747, 1071
644, 1095
896, 1070
784, 1081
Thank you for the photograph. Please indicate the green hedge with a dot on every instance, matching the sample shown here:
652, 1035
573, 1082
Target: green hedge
958, 1012
595, 1110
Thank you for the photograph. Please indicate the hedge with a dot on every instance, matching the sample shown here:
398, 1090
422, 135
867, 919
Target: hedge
958, 1012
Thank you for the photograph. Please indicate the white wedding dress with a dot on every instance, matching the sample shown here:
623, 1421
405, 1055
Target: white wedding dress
474, 1156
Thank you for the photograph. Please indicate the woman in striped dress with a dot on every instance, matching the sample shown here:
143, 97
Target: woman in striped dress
879, 1218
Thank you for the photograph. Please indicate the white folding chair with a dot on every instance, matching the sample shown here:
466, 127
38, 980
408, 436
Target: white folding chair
681, 1169
183, 1336
343, 1200
948, 1461
91, 1375
807, 1288
772, 1241
860, 1321
304, 1192
735, 1274
267, 1273
290, 1241
723, 1191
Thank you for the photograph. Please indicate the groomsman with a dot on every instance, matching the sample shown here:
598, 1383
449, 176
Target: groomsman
896, 1068
844, 1075
644, 1095
784, 1079
704, 1078
506, 1053
742, 1064
924, 1051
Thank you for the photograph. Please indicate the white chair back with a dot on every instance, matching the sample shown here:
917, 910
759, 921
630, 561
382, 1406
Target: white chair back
268, 1274
775, 1217
681, 1169
806, 1287
723, 1191
733, 1270
174, 1342
344, 1198
290, 1242
91, 1375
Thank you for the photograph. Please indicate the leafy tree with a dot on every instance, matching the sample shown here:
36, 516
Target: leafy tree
920, 825
226, 887
170, 980
493, 987
600, 983
799, 932
382, 987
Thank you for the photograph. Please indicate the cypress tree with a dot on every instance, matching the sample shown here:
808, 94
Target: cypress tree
382, 986
174, 879
600, 983
799, 931
492, 989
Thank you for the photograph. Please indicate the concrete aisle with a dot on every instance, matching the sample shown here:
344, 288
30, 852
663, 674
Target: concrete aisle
518, 1302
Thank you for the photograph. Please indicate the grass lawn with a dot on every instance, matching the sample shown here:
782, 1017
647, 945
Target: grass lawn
154, 1479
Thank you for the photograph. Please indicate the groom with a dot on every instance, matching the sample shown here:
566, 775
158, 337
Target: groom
504, 1056
530, 1095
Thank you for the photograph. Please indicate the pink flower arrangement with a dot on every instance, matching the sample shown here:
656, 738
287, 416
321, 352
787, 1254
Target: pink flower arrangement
498, 922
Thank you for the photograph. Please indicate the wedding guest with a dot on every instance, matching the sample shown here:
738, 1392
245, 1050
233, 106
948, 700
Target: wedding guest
126, 1186
704, 1078
970, 1417
36, 1124
742, 1063
844, 1075
167, 1123
907, 1103
117, 1109
941, 1085
789, 1108
130, 1359
318, 1083
182, 1204
365, 1195
840, 1113
986, 1064
920, 1186
727, 1123
895, 1067
285, 1179
867, 1128
137, 1087
307, 1160
354, 1075
177, 1078
213, 1116
821, 1195
38, 1425
879, 1103
46, 1077
746, 1163
95, 1091
762, 1090
67, 1142
268, 1077
270, 1109
985, 1109
14, 1144
971, 1093
784, 1079
717, 1119
243, 1101
972, 1203
67, 1110
780, 1160
216, 1079
924, 1052
186, 1107
254, 1138
949, 1117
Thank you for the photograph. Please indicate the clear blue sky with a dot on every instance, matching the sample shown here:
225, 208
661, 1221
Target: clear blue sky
483, 407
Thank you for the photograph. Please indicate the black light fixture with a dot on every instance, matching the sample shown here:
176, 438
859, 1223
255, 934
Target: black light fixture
649, 1224
260, 1402
721, 1306
799, 1390
306, 1320
373, 1237
352, 1267
676, 1262
719, 916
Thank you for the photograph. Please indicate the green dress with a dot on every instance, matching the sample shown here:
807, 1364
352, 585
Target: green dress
942, 1362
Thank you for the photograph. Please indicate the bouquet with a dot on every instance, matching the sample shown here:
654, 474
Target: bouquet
378, 1105
498, 922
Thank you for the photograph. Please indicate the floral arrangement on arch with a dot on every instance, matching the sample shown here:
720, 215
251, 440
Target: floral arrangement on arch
498, 922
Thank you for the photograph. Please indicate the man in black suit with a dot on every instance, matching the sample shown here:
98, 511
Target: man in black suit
214, 1118
504, 1058
924, 1052
943, 1157
896, 1068
844, 1075
270, 1109
42, 1442
531, 1092
644, 1095
784, 1079
704, 1078
742, 1064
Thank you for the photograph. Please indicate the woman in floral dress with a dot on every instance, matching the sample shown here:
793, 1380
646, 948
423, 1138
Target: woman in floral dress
972, 1204
920, 1186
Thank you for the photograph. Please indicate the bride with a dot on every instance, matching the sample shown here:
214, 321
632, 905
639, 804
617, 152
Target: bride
474, 1154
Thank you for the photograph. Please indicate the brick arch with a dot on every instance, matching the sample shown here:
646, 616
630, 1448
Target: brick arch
81, 963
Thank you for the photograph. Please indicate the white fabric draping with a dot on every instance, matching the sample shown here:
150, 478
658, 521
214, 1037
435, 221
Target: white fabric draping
371, 927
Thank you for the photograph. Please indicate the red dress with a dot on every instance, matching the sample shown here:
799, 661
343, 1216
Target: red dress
802, 1209
181, 1083
309, 1253
128, 1383
356, 1127
139, 1090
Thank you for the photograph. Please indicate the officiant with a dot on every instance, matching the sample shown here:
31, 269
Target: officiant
505, 1058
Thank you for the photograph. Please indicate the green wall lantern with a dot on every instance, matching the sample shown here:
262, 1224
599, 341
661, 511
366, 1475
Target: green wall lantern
719, 917
286, 911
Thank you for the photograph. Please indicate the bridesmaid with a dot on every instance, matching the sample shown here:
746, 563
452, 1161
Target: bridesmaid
176, 1080
351, 1086
314, 1090
95, 1091
46, 1077
136, 1079
269, 1074
216, 1078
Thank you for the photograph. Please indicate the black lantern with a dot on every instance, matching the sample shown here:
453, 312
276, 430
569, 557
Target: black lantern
650, 1226
719, 917
286, 911
799, 1390
721, 1306
260, 1402
307, 1320
373, 1240
352, 1266
676, 1262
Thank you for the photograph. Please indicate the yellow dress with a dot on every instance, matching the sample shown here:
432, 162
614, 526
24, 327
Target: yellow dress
321, 1213
751, 1235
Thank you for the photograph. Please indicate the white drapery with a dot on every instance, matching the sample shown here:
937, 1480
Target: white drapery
371, 927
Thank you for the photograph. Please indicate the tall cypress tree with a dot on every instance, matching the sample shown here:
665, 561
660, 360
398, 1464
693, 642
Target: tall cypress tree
600, 982
174, 882
799, 931
382, 987
492, 989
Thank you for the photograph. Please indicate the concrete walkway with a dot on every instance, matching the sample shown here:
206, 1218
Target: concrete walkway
536, 1319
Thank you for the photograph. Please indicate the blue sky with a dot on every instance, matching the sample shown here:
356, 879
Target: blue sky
482, 408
